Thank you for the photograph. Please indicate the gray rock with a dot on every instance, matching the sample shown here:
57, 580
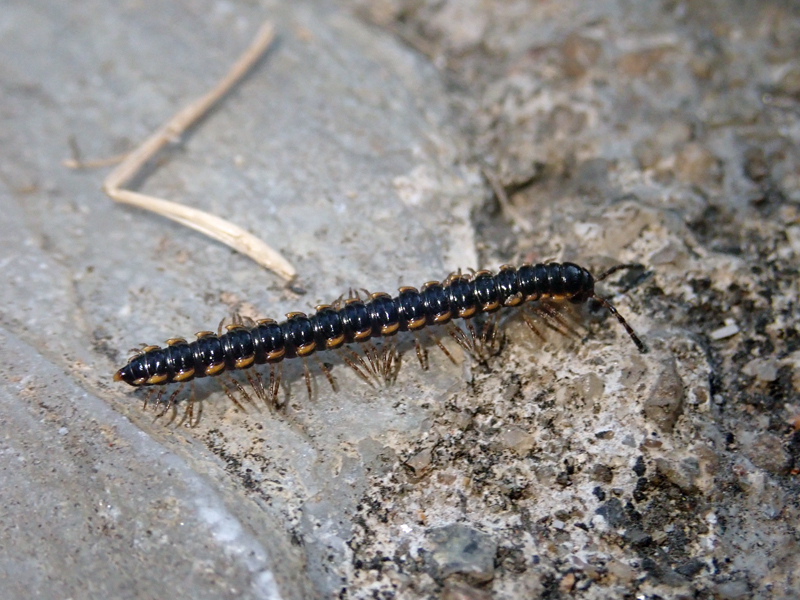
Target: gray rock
683, 474
457, 590
460, 549
665, 402
95, 508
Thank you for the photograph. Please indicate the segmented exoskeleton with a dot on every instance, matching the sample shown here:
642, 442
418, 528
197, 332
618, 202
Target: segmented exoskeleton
357, 321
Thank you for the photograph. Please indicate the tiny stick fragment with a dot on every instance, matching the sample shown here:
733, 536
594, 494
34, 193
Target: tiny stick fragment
212, 226
508, 209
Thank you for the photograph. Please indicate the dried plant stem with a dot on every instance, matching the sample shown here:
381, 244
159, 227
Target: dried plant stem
208, 224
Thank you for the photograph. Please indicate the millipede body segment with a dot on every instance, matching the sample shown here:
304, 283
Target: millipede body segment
355, 320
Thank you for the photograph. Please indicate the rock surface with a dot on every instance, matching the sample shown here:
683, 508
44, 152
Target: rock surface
660, 133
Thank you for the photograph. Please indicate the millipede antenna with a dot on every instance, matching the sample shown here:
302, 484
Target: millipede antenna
639, 343
616, 268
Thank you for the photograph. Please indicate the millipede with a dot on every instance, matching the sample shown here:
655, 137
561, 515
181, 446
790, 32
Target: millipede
354, 322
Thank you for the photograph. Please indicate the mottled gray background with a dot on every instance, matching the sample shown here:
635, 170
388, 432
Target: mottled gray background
664, 133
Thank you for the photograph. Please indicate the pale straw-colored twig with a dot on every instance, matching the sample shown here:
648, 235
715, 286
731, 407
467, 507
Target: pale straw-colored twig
208, 224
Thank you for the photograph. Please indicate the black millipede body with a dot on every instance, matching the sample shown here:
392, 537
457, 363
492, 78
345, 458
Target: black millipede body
355, 321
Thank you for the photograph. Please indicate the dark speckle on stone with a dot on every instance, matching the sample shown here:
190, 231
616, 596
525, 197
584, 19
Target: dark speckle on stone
613, 512
563, 478
639, 468
691, 567
602, 473
599, 493
638, 538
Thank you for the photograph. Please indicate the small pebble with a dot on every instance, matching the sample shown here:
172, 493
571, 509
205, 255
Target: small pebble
665, 403
729, 330
762, 369
566, 584
420, 463
517, 439
463, 550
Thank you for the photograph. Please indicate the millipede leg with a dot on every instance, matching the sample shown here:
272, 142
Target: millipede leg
277, 386
272, 382
363, 369
171, 402
371, 353
158, 398
549, 321
473, 338
190, 408
257, 384
230, 395
173, 415
532, 327
460, 337
490, 332
308, 378
243, 392
188, 412
639, 343
558, 317
156, 407
356, 369
443, 349
147, 398
386, 360
423, 362
327, 372
380, 360
390, 359
482, 341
